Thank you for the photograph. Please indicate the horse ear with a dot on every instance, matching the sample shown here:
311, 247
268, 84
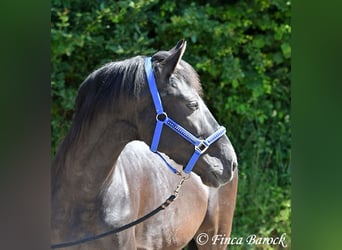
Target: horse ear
171, 62
179, 44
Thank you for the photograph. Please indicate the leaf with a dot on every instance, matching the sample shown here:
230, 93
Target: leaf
286, 49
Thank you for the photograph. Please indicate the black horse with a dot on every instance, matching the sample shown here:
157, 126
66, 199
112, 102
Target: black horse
113, 107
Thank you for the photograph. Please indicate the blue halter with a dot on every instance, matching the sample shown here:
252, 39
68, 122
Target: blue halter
162, 119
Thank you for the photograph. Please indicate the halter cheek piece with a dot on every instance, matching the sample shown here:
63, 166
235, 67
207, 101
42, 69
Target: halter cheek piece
162, 119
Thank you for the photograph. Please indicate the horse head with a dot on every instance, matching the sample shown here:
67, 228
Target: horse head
180, 93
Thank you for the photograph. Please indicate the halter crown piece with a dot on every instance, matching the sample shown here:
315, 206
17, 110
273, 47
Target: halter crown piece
162, 119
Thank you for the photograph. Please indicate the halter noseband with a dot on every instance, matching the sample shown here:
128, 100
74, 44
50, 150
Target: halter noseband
162, 119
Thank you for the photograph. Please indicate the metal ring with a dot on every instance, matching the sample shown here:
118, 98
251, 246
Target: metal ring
161, 117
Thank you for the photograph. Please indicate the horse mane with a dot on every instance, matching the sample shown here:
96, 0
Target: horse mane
103, 88
101, 91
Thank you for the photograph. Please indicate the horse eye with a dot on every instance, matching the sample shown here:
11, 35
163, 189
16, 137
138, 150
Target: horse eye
192, 105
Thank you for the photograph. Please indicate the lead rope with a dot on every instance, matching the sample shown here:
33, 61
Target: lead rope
164, 205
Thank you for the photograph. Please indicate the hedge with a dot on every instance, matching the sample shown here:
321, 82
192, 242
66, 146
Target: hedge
242, 52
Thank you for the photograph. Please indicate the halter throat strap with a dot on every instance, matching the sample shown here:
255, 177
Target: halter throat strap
200, 146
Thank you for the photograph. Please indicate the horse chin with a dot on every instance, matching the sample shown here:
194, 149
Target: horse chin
213, 173
212, 179
211, 169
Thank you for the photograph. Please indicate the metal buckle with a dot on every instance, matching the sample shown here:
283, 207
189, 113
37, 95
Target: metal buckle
202, 147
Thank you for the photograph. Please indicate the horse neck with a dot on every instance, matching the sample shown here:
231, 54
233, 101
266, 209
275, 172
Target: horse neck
80, 170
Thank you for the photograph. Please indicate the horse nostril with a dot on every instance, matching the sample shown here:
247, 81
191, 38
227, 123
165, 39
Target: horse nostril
234, 165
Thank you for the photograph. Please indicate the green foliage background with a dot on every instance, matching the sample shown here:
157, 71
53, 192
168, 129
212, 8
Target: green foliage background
241, 50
